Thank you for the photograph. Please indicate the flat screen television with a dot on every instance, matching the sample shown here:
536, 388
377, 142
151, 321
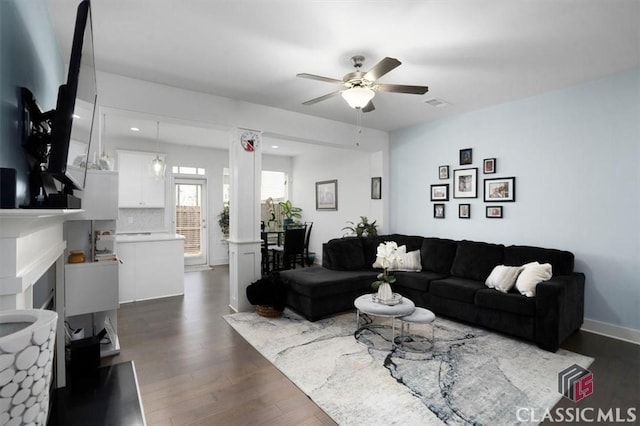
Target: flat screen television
57, 142
72, 125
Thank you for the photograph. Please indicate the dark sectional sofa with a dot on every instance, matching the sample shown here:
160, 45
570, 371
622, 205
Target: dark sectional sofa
450, 284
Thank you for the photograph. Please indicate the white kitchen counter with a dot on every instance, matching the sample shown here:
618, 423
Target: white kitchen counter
147, 236
152, 266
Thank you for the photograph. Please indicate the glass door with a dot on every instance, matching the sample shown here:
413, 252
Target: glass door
190, 218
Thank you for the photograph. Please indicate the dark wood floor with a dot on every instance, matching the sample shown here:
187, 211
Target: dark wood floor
194, 369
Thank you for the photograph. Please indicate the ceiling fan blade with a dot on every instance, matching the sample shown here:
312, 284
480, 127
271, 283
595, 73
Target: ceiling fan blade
400, 88
322, 98
319, 77
381, 68
368, 107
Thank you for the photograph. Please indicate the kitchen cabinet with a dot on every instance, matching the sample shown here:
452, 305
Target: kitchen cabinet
100, 195
152, 266
137, 187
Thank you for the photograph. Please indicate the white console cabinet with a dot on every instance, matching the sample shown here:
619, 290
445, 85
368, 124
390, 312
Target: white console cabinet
138, 188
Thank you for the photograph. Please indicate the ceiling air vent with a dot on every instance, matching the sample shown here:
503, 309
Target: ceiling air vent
436, 102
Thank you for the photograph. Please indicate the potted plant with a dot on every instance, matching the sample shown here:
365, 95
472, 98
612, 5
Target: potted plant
363, 228
289, 211
223, 220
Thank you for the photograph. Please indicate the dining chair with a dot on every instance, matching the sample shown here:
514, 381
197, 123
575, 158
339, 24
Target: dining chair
285, 256
309, 225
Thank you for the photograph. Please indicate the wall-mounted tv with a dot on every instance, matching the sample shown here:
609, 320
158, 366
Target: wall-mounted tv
72, 125
62, 153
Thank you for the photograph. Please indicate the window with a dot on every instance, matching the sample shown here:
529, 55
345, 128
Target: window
185, 170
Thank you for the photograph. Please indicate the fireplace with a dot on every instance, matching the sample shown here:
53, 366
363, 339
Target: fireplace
32, 266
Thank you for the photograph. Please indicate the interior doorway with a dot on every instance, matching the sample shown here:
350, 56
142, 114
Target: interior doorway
190, 218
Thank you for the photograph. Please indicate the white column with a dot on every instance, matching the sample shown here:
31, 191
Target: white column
245, 164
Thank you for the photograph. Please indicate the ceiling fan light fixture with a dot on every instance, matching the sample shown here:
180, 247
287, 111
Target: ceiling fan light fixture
358, 97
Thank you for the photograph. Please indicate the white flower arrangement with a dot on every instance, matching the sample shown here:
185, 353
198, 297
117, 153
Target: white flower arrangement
387, 257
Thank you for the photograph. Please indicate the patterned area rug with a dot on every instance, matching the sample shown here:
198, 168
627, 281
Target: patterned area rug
470, 377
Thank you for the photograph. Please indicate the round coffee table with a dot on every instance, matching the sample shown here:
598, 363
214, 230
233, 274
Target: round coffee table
365, 304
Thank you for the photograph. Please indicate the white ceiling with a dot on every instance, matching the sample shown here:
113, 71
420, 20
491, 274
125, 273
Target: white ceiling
471, 53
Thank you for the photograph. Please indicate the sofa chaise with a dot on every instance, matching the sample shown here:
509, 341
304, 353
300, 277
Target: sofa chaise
451, 283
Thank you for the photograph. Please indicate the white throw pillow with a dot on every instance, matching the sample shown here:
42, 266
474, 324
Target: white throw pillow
503, 278
378, 263
409, 262
533, 274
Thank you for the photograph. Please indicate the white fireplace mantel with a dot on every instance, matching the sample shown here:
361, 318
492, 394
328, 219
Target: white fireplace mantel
31, 240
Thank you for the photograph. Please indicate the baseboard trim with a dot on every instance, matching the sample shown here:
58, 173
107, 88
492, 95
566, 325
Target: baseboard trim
614, 331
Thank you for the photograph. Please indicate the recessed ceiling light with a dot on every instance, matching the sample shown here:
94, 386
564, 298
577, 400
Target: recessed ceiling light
275, 146
135, 129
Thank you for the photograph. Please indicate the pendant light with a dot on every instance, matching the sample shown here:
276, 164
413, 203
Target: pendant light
158, 165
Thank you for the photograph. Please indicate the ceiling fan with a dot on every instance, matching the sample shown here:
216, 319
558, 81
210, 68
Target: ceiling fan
360, 87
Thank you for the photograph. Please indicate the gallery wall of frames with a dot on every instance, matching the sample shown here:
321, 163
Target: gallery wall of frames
462, 183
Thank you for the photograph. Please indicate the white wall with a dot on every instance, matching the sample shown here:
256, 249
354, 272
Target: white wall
353, 169
324, 137
576, 158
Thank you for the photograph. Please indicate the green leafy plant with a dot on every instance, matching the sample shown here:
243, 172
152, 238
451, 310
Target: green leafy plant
223, 220
289, 211
362, 228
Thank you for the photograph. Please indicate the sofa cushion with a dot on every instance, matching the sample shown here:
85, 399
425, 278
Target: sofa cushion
319, 282
437, 254
476, 260
370, 245
409, 262
503, 278
507, 302
533, 274
455, 288
561, 261
343, 254
416, 281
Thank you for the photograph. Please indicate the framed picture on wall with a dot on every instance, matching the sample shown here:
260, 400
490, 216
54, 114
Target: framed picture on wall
466, 156
500, 189
443, 172
327, 195
376, 188
489, 166
494, 212
465, 183
464, 211
438, 211
440, 192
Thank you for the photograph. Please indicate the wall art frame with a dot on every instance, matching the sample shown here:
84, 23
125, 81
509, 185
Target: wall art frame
438, 210
502, 190
494, 212
327, 195
464, 211
466, 156
376, 188
440, 192
489, 166
443, 172
465, 183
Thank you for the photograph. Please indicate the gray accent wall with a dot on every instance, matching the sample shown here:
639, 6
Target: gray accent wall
29, 57
575, 154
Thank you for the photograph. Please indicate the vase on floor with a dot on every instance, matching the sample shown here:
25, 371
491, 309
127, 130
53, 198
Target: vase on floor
384, 292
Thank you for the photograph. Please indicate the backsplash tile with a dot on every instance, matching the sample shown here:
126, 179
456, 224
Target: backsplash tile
141, 220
